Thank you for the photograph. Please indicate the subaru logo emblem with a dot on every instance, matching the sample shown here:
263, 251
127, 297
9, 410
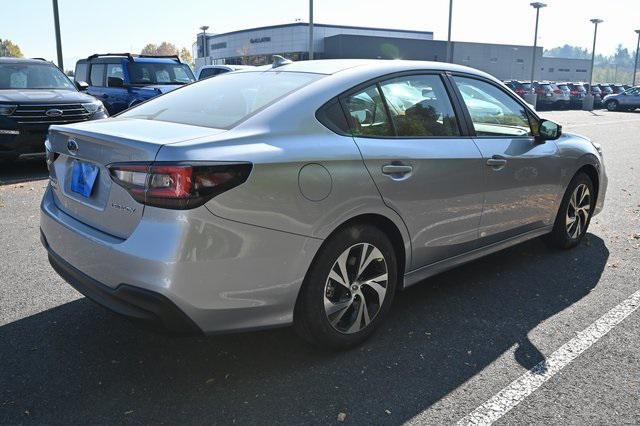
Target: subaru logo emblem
53, 112
72, 146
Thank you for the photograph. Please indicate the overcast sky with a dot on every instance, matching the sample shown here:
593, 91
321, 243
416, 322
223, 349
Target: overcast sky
91, 26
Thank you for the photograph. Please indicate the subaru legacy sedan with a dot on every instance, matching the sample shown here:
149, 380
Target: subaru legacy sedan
307, 194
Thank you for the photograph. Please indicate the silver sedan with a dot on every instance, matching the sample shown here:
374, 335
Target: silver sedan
307, 193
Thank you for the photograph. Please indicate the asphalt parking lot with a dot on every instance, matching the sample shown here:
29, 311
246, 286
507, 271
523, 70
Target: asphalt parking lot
449, 345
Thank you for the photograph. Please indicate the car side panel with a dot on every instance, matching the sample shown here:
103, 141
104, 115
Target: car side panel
303, 183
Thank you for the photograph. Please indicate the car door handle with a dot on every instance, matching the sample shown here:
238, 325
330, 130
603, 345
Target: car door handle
396, 169
497, 162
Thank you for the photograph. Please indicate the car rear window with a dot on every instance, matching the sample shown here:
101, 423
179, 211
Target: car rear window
563, 87
224, 101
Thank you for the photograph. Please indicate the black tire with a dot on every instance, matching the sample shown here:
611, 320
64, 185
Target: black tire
560, 236
311, 321
612, 105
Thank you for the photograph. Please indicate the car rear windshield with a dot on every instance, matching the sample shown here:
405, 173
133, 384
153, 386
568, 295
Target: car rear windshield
526, 86
33, 76
224, 101
563, 87
159, 73
578, 87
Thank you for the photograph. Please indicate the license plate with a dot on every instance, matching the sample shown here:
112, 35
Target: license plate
83, 177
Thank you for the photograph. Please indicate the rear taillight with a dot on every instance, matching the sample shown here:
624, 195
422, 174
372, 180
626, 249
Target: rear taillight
574, 92
178, 185
520, 91
557, 91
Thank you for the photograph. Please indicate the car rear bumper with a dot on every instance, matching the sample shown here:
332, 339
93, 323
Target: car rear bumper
223, 275
143, 306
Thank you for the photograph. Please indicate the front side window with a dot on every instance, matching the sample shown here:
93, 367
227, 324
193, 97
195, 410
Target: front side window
368, 114
224, 101
493, 112
159, 73
33, 76
420, 107
115, 70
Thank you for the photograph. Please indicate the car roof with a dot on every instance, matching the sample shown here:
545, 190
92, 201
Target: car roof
381, 66
8, 60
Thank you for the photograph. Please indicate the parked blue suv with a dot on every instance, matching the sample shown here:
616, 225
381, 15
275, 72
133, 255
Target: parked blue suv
122, 80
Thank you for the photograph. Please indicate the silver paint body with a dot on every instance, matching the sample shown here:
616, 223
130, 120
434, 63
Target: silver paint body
238, 262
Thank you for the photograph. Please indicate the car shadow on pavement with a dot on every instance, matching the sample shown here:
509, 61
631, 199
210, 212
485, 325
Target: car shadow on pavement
78, 362
21, 171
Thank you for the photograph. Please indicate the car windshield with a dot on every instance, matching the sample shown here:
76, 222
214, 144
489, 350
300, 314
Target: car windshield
224, 101
33, 76
159, 73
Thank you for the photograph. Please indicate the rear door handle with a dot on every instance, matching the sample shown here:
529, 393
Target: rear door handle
396, 169
497, 161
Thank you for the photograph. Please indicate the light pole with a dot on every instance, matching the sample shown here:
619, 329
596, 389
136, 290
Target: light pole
56, 22
532, 97
635, 64
449, 53
587, 104
204, 29
311, 30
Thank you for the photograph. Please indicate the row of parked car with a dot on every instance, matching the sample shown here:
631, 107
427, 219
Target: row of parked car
571, 95
35, 94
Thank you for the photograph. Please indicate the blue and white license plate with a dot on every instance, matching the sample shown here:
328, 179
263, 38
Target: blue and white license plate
83, 177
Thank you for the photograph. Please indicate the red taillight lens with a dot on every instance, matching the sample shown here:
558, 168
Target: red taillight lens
520, 91
574, 92
178, 185
557, 91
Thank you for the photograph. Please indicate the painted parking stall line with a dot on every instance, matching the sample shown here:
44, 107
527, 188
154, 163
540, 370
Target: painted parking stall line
505, 400
525, 385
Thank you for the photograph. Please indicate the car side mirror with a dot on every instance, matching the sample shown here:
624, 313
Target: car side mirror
548, 130
82, 85
115, 82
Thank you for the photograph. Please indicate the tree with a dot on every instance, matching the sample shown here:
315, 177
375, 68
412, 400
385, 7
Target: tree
9, 48
149, 49
166, 49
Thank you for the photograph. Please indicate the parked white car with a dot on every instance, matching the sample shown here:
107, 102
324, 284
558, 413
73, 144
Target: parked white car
213, 70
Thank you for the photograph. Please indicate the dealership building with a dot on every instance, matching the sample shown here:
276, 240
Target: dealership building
256, 46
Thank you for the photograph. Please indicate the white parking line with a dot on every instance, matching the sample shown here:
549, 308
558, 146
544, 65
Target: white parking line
525, 385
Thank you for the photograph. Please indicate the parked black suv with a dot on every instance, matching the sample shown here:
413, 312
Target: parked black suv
34, 94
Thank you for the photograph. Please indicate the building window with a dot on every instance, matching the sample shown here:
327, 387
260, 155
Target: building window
520, 61
564, 69
581, 70
493, 60
467, 59
221, 45
551, 69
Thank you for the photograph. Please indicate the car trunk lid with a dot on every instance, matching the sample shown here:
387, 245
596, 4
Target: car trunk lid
109, 207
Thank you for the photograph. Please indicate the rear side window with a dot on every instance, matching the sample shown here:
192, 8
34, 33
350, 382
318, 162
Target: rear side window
493, 112
332, 116
81, 72
419, 106
97, 75
224, 101
367, 113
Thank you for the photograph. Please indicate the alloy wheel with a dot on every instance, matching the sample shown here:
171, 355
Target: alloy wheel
578, 211
356, 288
